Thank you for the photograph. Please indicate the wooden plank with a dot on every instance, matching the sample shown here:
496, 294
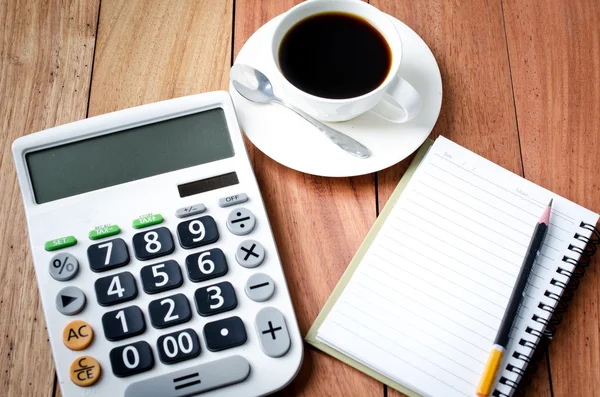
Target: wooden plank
554, 51
45, 65
318, 224
149, 51
468, 41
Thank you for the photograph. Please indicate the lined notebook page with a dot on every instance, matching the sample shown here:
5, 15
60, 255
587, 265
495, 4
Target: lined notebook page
424, 304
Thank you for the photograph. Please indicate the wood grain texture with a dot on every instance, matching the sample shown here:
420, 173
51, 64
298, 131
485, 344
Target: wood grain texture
318, 224
468, 40
554, 51
149, 51
45, 64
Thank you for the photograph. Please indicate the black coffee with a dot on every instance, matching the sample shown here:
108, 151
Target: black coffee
335, 55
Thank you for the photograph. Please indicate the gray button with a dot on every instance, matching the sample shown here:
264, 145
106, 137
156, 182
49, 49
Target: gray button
190, 210
260, 287
241, 221
233, 200
70, 300
193, 380
250, 253
63, 266
272, 332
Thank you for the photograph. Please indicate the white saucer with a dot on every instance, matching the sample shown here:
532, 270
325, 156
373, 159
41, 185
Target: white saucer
293, 142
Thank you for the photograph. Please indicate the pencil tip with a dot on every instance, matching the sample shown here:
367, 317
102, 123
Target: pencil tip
550, 204
546, 215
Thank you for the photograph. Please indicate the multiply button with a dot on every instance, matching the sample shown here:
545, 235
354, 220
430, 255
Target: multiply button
233, 200
63, 267
272, 332
85, 371
78, 335
250, 253
241, 221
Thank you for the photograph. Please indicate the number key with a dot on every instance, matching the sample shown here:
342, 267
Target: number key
115, 289
161, 277
131, 359
108, 255
215, 299
178, 346
206, 265
197, 232
123, 323
153, 243
169, 311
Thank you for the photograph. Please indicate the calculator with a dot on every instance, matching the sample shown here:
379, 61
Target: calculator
155, 261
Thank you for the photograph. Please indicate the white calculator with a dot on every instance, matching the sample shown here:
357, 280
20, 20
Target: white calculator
156, 264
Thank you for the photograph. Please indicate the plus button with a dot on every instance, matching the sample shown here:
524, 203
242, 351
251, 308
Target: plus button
271, 330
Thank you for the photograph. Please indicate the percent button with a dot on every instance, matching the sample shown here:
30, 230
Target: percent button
63, 267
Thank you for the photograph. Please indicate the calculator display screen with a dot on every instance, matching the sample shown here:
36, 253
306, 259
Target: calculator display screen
129, 155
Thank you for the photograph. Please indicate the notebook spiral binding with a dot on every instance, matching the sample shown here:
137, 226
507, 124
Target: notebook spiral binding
538, 346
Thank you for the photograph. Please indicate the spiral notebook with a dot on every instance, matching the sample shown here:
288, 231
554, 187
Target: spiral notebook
419, 306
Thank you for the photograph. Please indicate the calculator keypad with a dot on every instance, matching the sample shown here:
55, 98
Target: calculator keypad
169, 311
161, 277
197, 232
108, 255
153, 243
123, 323
206, 265
178, 346
114, 289
131, 359
214, 299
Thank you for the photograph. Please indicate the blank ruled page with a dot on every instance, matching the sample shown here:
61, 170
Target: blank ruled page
424, 304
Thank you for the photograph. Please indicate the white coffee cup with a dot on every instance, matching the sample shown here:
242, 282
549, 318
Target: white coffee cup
394, 100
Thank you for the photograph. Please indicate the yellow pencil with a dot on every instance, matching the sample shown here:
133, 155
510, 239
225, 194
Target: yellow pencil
495, 358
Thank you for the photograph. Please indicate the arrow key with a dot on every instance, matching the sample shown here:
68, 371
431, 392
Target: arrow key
70, 301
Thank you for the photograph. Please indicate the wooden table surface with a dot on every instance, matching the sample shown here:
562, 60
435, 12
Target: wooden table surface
521, 87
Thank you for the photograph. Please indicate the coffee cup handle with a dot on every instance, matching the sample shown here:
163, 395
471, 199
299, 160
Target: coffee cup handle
400, 103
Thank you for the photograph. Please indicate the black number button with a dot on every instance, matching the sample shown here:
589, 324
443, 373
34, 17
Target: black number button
205, 265
197, 232
169, 311
215, 299
114, 289
224, 334
123, 323
161, 277
153, 243
108, 255
178, 346
131, 359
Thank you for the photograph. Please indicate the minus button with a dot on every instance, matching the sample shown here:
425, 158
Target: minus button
260, 287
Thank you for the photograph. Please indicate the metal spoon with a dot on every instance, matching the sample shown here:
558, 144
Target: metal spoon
256, 87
